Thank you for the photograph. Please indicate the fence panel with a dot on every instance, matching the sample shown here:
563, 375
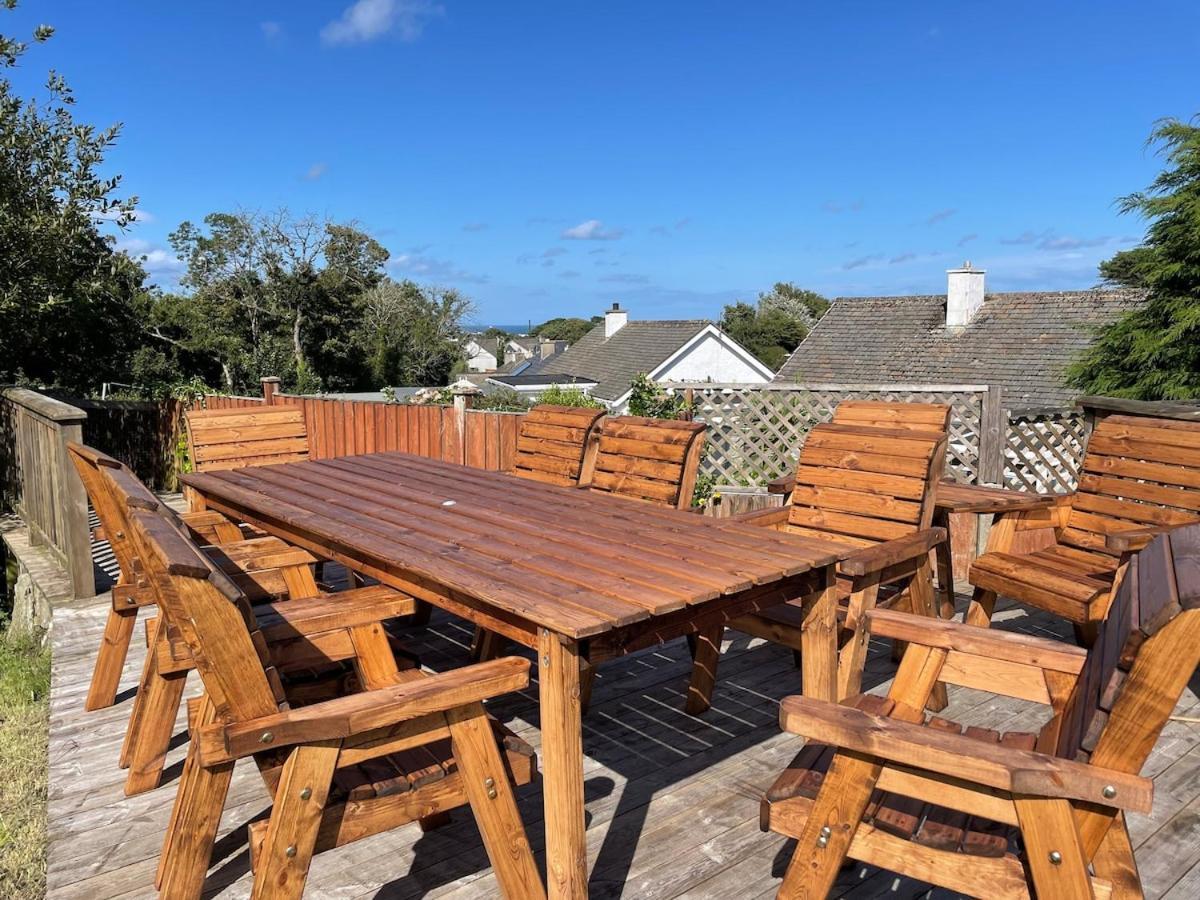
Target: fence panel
490, 439
1043, 452
755, 432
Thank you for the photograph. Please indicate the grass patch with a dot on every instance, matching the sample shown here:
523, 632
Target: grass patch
24, 728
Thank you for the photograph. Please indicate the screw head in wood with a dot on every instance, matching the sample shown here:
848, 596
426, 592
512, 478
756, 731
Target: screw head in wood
489, 782
121, 535
290, 851
546, 659
823, 840
1109, 792
306, 793
491, 793
1055, 858
266, 738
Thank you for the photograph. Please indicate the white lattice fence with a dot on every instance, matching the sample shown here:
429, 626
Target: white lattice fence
755, 432
1043, 452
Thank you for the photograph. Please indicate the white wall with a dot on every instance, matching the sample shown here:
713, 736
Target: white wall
479, 360
711, 359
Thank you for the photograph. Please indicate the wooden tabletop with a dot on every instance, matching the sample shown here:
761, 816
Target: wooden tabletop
573, 561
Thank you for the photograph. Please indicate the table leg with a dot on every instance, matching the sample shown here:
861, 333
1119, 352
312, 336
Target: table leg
818, 638
562, 766
945, 565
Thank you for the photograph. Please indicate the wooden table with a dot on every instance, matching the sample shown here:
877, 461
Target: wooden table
576, 575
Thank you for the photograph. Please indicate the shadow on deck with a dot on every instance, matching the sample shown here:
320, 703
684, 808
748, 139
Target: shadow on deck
672, 800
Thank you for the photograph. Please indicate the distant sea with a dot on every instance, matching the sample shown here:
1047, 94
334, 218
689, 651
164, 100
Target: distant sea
523, 328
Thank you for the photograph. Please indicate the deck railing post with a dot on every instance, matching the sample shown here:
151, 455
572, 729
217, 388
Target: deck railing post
993, 425
270, 387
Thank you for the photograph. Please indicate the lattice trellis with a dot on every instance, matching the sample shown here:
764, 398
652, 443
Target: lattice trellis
1044, 452
755, 432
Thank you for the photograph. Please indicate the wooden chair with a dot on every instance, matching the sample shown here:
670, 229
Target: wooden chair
994, 815
553, 443
1138, 472
233, 438
408, 746
870, 492
131, 592
652, 460
265, 570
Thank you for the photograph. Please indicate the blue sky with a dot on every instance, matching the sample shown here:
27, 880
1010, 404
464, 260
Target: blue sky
548, 158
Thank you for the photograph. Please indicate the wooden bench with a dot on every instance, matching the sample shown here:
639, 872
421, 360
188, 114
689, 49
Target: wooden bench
232, 438
409, 746
651, 460
553, 443
990, 814
869, 492
1138, 472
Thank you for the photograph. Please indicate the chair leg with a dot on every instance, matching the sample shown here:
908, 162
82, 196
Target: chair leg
587, 679
420, 615
493, 804
110, 661
980, 611
706, 654
839, 807
151, 723
924, 603
295, 819
195, 817
1115, 863
1053, 849
943, 554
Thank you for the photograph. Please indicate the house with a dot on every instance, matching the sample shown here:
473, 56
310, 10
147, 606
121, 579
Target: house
1022, 342
604, 362
511, 356
482, 353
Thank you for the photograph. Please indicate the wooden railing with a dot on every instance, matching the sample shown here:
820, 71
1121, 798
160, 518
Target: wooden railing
40, 482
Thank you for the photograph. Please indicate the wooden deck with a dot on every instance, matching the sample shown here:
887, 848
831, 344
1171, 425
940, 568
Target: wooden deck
672, 800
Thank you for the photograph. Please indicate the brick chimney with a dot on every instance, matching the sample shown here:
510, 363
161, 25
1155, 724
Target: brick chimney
964, 295
614, 320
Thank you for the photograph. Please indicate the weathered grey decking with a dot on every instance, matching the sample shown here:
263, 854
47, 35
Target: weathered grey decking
672, 800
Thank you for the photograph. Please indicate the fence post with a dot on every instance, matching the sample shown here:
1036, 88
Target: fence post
75, 511
270, 386
464, 395
992, 437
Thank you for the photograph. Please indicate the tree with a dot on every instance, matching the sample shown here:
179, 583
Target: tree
773, 329
566, 329
68, 298
1153, 352
412, 334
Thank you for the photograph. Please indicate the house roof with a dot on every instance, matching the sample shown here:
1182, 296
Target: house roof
538, 379
613, 363
1022, 342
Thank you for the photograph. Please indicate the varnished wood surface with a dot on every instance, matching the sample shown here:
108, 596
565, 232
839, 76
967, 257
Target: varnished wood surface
575, 562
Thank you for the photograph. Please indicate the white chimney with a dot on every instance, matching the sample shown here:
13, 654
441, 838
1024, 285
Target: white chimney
614, 320
964, 294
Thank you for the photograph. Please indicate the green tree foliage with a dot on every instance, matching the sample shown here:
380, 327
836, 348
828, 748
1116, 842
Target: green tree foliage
566, 329
68, 299
1153, 353
565, 395
648, 398
773, 329
412, 334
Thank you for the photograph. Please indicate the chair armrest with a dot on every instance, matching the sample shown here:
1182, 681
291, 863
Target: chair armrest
356, 714
890, 553
1134, 539
973, 498
961, 757
313, 615
1006, 646
782, 485
773, 517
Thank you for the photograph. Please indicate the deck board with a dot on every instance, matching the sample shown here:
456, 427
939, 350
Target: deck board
672, 800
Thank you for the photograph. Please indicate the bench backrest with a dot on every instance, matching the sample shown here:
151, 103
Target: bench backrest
1147, 650
888, 414
654, 460
233, 438
861, 485
552, 443
1137, 471
215, 619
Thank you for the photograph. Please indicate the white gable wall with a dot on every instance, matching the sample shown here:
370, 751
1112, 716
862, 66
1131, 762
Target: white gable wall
714, 357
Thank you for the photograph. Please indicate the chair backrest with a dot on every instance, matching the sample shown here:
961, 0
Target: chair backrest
1147, 650
233, 438
887, 414
654, 460
860, 485
230, 653
1137, 471
552, 443
90, 463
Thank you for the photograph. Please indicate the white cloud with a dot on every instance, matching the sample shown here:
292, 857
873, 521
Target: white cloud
475, 226
940, 216
159, 263
419, 266
592, 230
272, 31
315, 171
367, 20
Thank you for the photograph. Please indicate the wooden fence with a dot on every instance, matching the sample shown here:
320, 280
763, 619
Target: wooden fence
755, 432
40, 483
